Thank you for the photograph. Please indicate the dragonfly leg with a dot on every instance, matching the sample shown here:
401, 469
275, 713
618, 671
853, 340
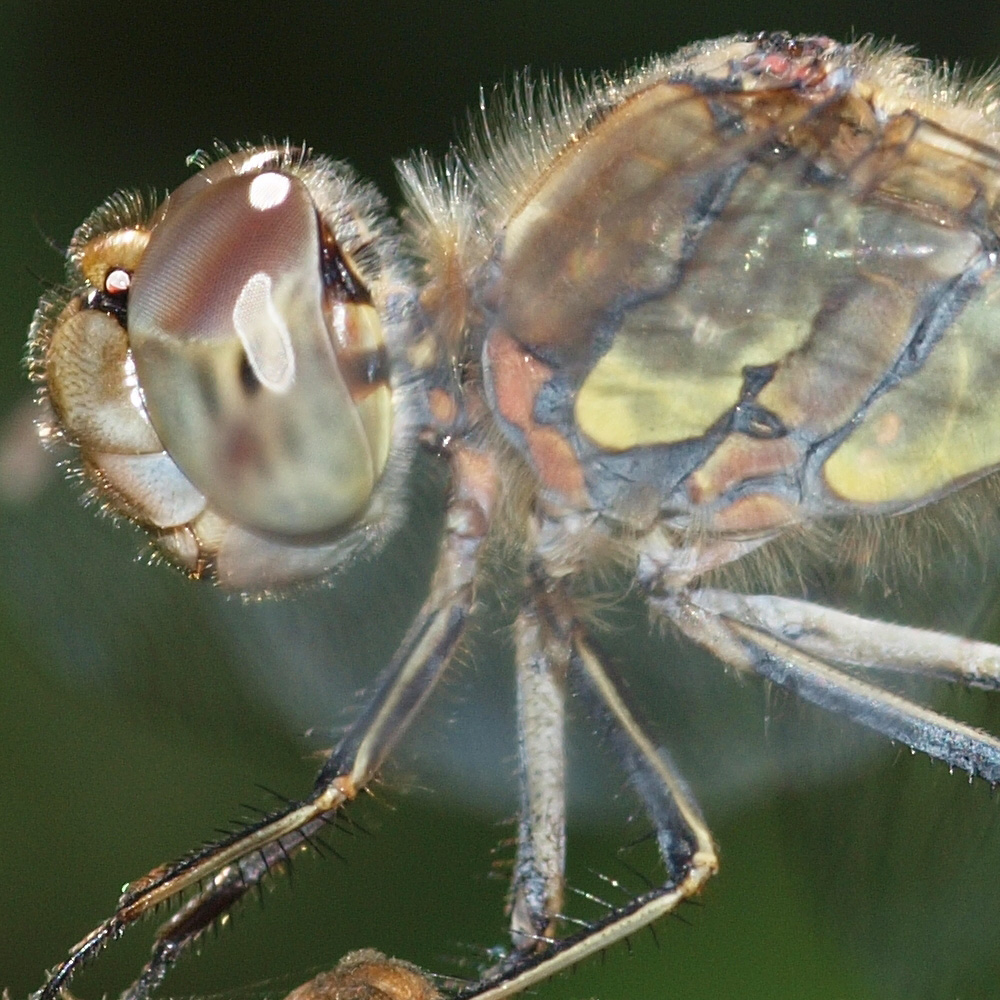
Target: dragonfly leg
853, 641
684, 840
224, 872
723, 624
542, 662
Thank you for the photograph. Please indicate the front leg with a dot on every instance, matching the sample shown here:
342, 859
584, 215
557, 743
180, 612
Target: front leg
224, 872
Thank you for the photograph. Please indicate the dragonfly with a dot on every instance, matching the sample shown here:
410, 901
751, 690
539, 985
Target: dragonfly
635, 325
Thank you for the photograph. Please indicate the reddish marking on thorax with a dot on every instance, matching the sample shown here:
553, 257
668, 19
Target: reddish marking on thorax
517, 377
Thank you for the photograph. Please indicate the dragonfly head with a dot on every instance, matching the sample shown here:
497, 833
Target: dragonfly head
225, 362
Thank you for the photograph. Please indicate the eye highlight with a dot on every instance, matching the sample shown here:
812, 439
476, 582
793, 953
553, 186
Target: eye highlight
118, 282
268, 190
264, 334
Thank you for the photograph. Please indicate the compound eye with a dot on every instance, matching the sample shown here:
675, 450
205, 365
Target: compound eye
260, 356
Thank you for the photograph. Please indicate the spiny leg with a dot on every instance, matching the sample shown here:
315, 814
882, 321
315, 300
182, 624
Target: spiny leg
227, 870
684, 840
755, 647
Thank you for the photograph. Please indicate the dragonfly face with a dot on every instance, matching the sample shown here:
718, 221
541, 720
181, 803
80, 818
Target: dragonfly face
667, 324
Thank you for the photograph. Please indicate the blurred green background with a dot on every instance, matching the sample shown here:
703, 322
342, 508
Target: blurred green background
137, 711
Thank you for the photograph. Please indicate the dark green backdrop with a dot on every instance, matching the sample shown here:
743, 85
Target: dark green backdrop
137, 711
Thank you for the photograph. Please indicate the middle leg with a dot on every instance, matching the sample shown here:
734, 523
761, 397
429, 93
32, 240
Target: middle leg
554, 652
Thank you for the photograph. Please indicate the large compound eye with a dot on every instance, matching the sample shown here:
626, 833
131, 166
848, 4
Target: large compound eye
260, 355
221, 365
